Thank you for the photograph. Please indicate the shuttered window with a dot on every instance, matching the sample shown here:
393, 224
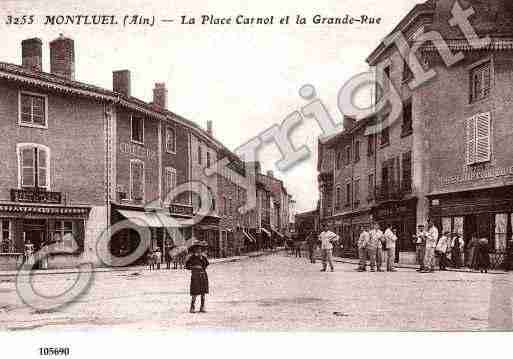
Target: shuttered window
478, 138
170, 181
34, 167
137, 180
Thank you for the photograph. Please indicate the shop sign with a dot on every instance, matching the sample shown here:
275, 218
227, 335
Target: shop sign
138, 151
476, 175
180, 209
35, 196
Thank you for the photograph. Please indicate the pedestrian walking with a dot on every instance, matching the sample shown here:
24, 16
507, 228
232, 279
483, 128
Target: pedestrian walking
441, 250
327, 238
197, 264
390, 236
472, 251
431, 241
456, 245
420, 245
363, 240
311, 241
482, 256
375, 248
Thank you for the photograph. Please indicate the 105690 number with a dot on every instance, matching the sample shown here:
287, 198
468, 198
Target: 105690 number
50, 351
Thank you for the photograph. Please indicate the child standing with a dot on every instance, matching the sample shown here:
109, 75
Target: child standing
197, 264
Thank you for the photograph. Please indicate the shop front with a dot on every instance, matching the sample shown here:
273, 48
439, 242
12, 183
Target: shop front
26, 228
486, 213
401, 215
207, 230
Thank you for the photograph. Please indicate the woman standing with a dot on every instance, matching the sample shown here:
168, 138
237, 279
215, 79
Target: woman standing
441, 250
197, 264
457, 244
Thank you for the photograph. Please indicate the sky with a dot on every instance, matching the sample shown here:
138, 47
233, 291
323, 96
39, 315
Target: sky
244, 78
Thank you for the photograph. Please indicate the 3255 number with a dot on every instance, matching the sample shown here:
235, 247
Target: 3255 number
20, 20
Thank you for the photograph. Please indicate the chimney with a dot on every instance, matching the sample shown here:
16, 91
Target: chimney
270, 174
209, 127
32, 54
160, 95
121, 82
62, 57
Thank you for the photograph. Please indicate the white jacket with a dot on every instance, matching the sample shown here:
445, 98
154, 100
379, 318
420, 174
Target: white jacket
390, 238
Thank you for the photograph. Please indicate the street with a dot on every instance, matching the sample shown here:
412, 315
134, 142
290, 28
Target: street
274, 292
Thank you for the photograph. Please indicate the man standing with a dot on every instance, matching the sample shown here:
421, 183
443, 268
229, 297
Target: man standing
420, 240
327, 237
375, 247
390, 240
362, 250
431, 240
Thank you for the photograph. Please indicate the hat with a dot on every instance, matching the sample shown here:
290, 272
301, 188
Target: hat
197, 244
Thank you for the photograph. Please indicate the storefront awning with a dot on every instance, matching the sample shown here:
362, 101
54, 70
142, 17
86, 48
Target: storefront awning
149, 219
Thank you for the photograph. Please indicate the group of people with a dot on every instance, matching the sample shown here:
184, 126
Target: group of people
450, 249
173, 254
374, 245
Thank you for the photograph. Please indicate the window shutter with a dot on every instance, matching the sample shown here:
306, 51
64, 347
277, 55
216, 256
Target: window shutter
470, 140
42, 168
483, 127
27, 167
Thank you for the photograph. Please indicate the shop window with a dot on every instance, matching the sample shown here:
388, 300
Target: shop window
137, 129
63, 235
170, 140
501, 225
33, 110
478, 138
136, 180
33, 166
480, 82
6, 237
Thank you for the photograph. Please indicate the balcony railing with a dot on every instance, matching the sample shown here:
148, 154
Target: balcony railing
35, 195
392, 192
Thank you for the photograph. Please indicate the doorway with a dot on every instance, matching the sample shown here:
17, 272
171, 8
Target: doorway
34, 231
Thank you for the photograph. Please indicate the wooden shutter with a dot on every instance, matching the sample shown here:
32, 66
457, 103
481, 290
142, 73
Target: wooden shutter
470, 140
483, 129
79, 235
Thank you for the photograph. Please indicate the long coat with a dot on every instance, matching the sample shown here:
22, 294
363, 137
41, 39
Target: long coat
199, 278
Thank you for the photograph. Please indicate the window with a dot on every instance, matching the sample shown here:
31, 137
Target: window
356, 196
406, 185
348, 194
338, 198
137, 129
230, 206
33, 110
63, 234
6, 238
339, 160
385, 137
223, 209
480, 82
200, 154
136, 180
370, 145
347, 159
478, 141
501, 225
208, 159
371, 187
170, 182
33, 166
407, 127
357, 151
386, 78
170, 140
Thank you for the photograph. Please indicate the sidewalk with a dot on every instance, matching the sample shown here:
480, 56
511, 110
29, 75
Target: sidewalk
13, 273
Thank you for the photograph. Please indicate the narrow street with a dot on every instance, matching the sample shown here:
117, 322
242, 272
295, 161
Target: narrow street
275, 292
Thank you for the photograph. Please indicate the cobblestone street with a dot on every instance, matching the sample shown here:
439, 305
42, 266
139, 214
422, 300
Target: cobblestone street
275, 292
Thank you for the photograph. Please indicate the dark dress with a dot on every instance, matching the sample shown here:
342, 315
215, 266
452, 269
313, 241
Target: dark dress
199, 278
482, 256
